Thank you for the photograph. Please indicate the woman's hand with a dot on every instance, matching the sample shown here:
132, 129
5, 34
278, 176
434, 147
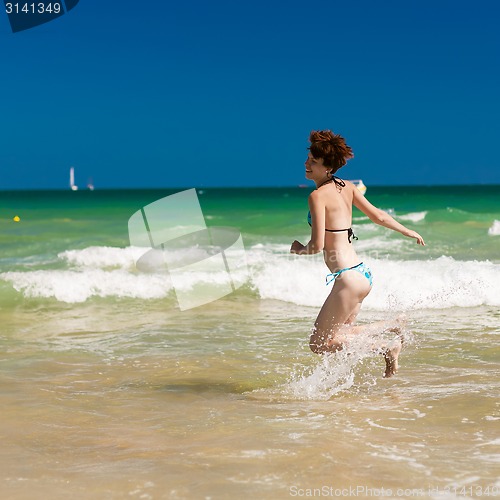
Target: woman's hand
296, 247
414, 234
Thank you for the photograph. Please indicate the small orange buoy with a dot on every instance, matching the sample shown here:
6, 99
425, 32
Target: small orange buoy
16, 218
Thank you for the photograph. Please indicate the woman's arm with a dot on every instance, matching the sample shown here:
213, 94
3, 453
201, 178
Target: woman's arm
382, 218
317, 241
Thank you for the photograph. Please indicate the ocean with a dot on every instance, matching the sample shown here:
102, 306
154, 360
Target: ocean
110, 390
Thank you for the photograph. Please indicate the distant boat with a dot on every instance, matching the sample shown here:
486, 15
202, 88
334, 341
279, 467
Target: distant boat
72, 184
359, 184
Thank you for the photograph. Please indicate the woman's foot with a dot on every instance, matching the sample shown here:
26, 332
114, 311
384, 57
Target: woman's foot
398, 327
391, 356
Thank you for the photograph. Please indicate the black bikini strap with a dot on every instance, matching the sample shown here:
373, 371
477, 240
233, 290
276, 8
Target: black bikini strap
339, 182
350, 235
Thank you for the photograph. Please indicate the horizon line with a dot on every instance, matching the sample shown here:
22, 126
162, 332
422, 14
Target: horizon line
295, 186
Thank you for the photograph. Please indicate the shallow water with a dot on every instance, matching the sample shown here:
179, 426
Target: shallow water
240, 406
108, 390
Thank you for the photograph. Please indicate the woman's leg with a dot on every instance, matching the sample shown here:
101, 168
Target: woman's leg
352, 317
334, 324
340, 308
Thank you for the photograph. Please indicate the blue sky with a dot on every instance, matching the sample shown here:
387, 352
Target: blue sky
224, 93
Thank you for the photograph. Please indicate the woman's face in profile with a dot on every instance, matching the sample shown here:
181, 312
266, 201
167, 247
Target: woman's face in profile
314, 167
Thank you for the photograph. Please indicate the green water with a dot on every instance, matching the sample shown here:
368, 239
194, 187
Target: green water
57, 220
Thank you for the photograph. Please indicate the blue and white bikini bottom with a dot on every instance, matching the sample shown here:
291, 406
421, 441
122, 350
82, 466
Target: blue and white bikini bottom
361, 268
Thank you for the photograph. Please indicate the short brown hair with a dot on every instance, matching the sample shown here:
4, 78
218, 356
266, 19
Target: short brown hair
331, 147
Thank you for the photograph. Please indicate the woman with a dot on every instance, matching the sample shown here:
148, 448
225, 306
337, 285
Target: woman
330, 206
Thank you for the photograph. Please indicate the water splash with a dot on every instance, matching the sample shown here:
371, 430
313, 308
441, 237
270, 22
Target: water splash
338, 372
333, 374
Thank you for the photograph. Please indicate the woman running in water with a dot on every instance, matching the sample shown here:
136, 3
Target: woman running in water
330, 217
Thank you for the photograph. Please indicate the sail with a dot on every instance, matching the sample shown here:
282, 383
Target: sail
72, 179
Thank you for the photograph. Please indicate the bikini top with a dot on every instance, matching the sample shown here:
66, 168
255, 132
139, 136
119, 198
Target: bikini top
350, 232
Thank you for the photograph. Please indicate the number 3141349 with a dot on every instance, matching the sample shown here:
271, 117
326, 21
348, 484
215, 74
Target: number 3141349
33, 8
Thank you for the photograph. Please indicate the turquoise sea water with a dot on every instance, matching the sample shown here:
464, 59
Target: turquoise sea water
110, 390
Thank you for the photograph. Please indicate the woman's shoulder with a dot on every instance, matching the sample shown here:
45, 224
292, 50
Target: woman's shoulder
348, 184
315, 196
348, 188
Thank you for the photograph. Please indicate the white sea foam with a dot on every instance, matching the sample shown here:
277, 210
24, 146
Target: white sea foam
103, 257
77, 286
365, 228
273, 274
398, 285
360, 218
413, 216
494, 230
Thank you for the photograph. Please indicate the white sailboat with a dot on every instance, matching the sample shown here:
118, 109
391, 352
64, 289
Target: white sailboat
72, 184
